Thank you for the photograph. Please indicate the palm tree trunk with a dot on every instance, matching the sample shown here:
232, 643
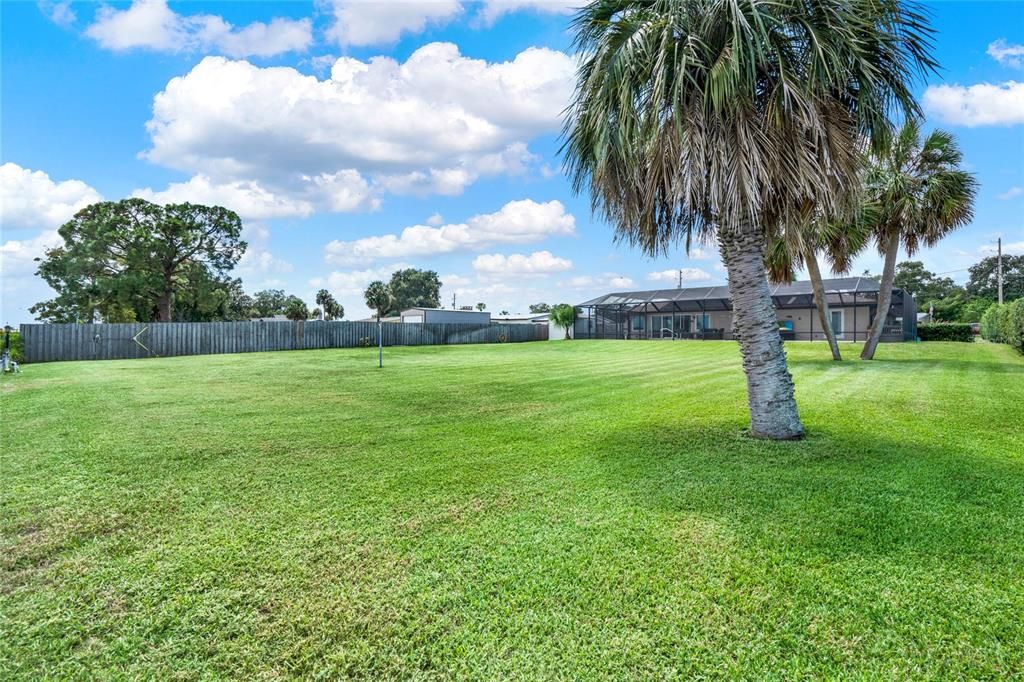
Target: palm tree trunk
884, 297
821, 302
773, 411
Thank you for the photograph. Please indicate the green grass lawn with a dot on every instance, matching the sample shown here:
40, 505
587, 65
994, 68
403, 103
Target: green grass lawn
552, 510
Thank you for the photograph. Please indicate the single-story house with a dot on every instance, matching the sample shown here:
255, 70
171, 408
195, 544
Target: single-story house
445, 316
706, 313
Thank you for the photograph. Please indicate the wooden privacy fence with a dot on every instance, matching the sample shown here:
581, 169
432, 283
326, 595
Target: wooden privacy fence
52, 342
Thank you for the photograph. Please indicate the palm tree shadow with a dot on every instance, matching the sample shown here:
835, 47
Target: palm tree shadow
989, 366
825, 496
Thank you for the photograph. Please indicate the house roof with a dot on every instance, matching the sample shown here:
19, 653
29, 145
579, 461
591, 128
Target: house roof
446, 310
719, 297
532, 317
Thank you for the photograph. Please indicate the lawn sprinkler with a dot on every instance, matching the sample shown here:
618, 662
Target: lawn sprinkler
6, 362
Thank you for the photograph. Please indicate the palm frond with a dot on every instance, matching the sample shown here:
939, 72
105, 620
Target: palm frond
918, 189
696, 115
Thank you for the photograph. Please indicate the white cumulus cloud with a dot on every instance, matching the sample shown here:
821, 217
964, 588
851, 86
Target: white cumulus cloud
1009, 249
608, 280
453, 280
58, 11
248, 199
537, 263
31, 199
348, 286
1011, 193
517, 222
17, 256
151, 24
374, 22
492, 10
432, 124
1008, 54
977, 105
697, 253
340, 192
258, 263
353, 282
378, 22
688, 275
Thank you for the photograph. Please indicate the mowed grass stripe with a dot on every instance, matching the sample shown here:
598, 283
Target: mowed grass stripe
550, 510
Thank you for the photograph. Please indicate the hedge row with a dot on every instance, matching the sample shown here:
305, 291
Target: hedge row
1005, 324
945, 331
17, 346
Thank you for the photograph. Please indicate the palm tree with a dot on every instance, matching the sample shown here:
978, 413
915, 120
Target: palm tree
798, 247
723, 119
331, 308
379, 299
564, 315
920, 195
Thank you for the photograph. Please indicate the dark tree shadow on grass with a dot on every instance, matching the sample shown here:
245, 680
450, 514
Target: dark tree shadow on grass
989, 365
826, 496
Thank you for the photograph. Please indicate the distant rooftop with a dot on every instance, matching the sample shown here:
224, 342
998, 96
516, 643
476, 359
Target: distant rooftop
447, 310
719, 297
522, 316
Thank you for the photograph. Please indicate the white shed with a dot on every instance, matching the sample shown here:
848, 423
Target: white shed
445, 316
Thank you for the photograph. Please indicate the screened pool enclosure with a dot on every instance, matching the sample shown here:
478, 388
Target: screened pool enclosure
706, 313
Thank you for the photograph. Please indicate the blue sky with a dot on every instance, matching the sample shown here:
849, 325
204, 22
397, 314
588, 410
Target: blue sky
357, 137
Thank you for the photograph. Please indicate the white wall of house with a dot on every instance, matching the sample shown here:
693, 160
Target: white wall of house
442, 315
557, 333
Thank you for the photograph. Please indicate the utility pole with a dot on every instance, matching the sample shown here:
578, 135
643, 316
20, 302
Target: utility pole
453, 300
680, 279
999, 268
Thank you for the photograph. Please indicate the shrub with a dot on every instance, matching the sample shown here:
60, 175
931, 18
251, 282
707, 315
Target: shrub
945, 331
1005, 324
1013, 324
17, 347
990, 327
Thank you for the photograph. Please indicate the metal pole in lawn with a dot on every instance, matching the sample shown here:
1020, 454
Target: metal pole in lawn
999, 269
380, 343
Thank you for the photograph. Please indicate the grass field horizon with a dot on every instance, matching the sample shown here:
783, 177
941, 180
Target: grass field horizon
560, 510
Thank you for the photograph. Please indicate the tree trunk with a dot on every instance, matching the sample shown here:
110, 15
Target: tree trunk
773, 411
163, 304
821, 302
892, 250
